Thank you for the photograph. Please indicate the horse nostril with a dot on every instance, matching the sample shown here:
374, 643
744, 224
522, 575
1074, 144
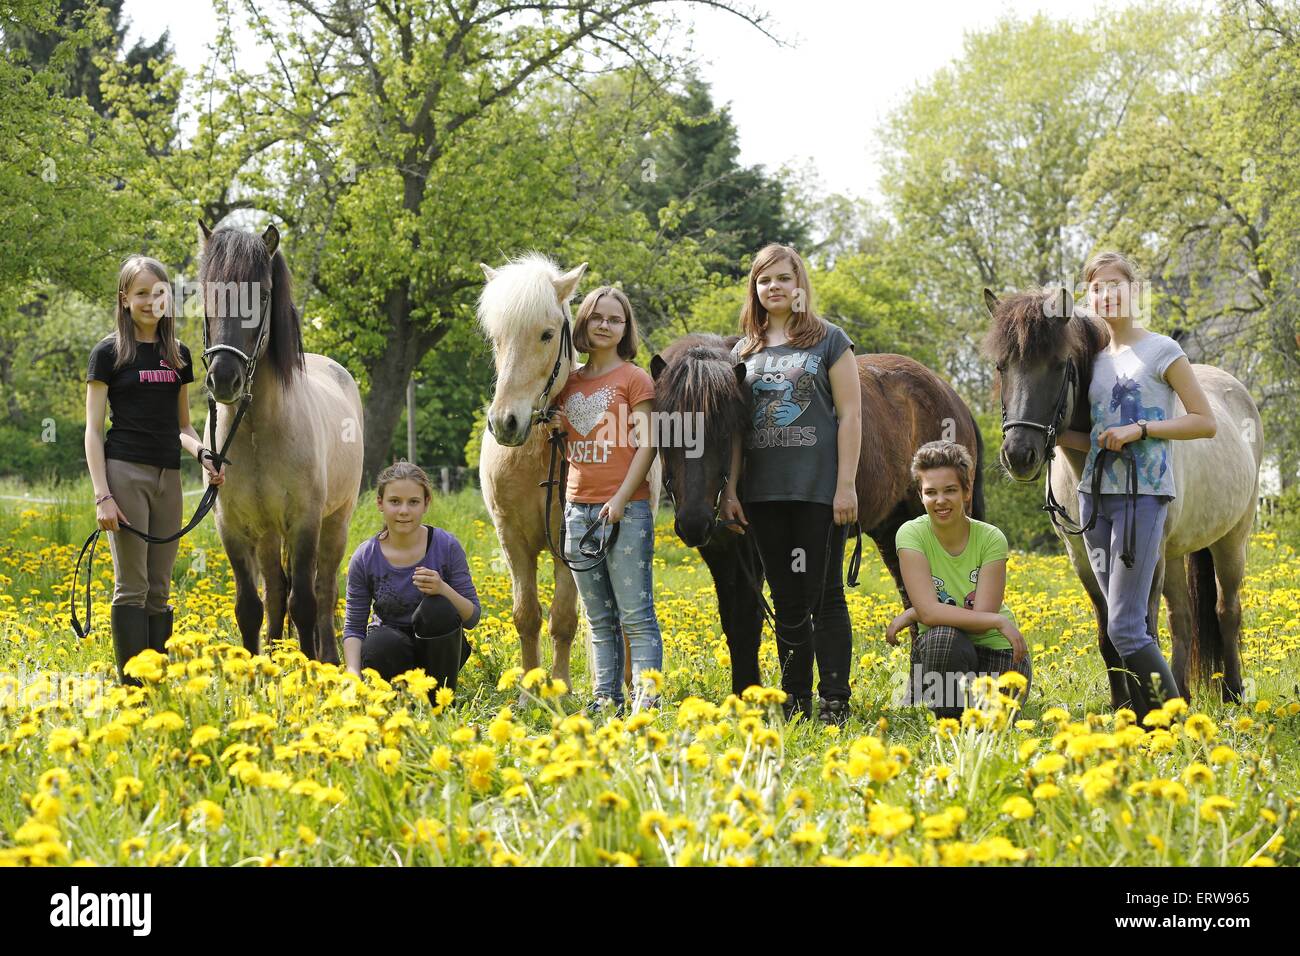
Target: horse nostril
511, 423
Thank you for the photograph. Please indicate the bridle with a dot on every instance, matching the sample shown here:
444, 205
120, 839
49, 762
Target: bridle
1059, 516
209, 498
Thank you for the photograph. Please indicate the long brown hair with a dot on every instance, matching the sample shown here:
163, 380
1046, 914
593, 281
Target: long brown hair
402, 471
804, 329
124, 343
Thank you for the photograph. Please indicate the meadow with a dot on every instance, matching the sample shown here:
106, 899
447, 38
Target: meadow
223, 758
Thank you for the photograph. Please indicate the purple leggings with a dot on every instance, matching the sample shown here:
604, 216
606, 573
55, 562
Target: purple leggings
1126, 590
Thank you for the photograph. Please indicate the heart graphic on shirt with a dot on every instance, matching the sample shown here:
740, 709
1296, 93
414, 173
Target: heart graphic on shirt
585, 411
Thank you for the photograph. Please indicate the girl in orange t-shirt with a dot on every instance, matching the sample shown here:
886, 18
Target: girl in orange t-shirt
605, 409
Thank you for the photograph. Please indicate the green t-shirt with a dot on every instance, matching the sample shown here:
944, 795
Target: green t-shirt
955, 577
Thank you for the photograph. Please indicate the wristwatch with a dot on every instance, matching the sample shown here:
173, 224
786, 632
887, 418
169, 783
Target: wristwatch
1143, 423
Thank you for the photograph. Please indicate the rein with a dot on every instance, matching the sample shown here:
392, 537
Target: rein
209, 498
1055, 510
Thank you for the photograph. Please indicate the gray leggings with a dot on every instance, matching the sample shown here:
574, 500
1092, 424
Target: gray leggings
150, 497
1127, 590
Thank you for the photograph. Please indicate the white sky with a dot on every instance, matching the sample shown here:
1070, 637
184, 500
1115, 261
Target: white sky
850, 63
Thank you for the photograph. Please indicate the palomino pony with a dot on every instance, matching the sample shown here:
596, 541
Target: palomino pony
1044, 353
296, 459
904, 405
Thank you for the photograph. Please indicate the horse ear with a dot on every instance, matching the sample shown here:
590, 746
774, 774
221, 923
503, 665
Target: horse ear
567, 283
488, 271
272, 239
1059, 306
990, 300
204, 232
742, 372
657, 365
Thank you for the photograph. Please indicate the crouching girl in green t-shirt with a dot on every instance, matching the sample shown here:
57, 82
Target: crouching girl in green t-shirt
955, 570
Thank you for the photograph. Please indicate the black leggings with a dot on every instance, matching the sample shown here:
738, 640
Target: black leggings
390, 650
783, 529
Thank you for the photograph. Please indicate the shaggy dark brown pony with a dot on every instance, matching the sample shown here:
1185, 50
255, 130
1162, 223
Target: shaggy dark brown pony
904, 405
1034, 337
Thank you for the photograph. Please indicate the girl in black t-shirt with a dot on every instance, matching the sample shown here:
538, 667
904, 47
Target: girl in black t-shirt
141, 373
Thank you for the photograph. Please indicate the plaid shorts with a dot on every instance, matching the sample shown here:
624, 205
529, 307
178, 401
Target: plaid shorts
947, 650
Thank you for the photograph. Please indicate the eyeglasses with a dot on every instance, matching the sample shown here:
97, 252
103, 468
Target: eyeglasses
612, 323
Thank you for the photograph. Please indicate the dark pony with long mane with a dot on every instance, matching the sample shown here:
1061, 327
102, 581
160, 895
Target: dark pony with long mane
904, 405
1043, 352
296, 458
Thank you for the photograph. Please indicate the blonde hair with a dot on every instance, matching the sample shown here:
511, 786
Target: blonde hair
804, 329
1103, 259
124, 343
402, 471
628, 345
944, 454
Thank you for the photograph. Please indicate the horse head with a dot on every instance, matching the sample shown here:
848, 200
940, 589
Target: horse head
1042, 343
524, 309
700, 405
248, 310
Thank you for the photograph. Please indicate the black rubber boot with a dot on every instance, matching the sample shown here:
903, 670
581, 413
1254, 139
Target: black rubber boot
160, 628
1146, 664
833, 712
130, 637
441, 657
797, 705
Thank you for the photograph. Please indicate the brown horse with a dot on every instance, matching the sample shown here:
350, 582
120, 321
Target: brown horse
295, 462
1036, 339
904, 405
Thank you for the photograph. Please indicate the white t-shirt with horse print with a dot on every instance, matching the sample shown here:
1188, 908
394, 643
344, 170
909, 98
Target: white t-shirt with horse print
1125, 387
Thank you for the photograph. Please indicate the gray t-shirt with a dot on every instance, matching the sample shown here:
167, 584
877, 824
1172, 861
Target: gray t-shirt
1126, 387
792, 446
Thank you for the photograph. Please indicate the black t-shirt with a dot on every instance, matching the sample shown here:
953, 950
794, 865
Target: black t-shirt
143, 399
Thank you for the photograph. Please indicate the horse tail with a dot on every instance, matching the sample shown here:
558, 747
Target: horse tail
977, 493
1206, 652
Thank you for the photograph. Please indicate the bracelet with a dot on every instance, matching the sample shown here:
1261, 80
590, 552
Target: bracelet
102, 498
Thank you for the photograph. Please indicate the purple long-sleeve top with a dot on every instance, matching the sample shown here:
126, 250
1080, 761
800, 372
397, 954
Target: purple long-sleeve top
392, 591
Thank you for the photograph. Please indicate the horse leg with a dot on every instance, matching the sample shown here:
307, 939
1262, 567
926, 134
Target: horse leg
248, 606
333, 542
563, 621
738, 610
525, 608
1180, 622
302, 584
1229, 554
1077, 549
269, 559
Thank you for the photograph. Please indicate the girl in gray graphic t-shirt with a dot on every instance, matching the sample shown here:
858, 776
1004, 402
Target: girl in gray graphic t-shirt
1134, 382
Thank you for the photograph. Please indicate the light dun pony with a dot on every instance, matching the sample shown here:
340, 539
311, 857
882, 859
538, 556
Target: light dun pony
1217, 480
296, 458
524, 310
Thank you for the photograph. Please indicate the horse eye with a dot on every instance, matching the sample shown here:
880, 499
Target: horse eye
548, 335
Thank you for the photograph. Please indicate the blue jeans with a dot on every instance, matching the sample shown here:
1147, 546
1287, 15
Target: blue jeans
1126, 589
618, 592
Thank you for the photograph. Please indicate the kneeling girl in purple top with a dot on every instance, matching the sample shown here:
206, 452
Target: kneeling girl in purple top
416, 578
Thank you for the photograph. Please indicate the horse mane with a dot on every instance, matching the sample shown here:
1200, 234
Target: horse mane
1021, 332
233, 255
522, 289
700, 377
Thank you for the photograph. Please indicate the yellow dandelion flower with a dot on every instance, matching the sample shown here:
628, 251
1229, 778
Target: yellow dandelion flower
1018, 808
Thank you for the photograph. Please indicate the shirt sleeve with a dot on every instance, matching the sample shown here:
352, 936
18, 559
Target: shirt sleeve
640, 387
356, 613
908, 535
100, 368
995, 546
187, 366
455, 571
1168, 355
839, 341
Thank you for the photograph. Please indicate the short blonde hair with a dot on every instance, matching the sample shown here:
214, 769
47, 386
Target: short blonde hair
628, 345
944, 454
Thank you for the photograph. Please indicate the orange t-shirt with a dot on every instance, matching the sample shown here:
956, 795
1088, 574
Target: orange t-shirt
597, 417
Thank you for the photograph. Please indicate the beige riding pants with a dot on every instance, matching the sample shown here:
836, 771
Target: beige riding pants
150, 497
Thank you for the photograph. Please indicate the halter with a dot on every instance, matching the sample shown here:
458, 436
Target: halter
1060, 517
